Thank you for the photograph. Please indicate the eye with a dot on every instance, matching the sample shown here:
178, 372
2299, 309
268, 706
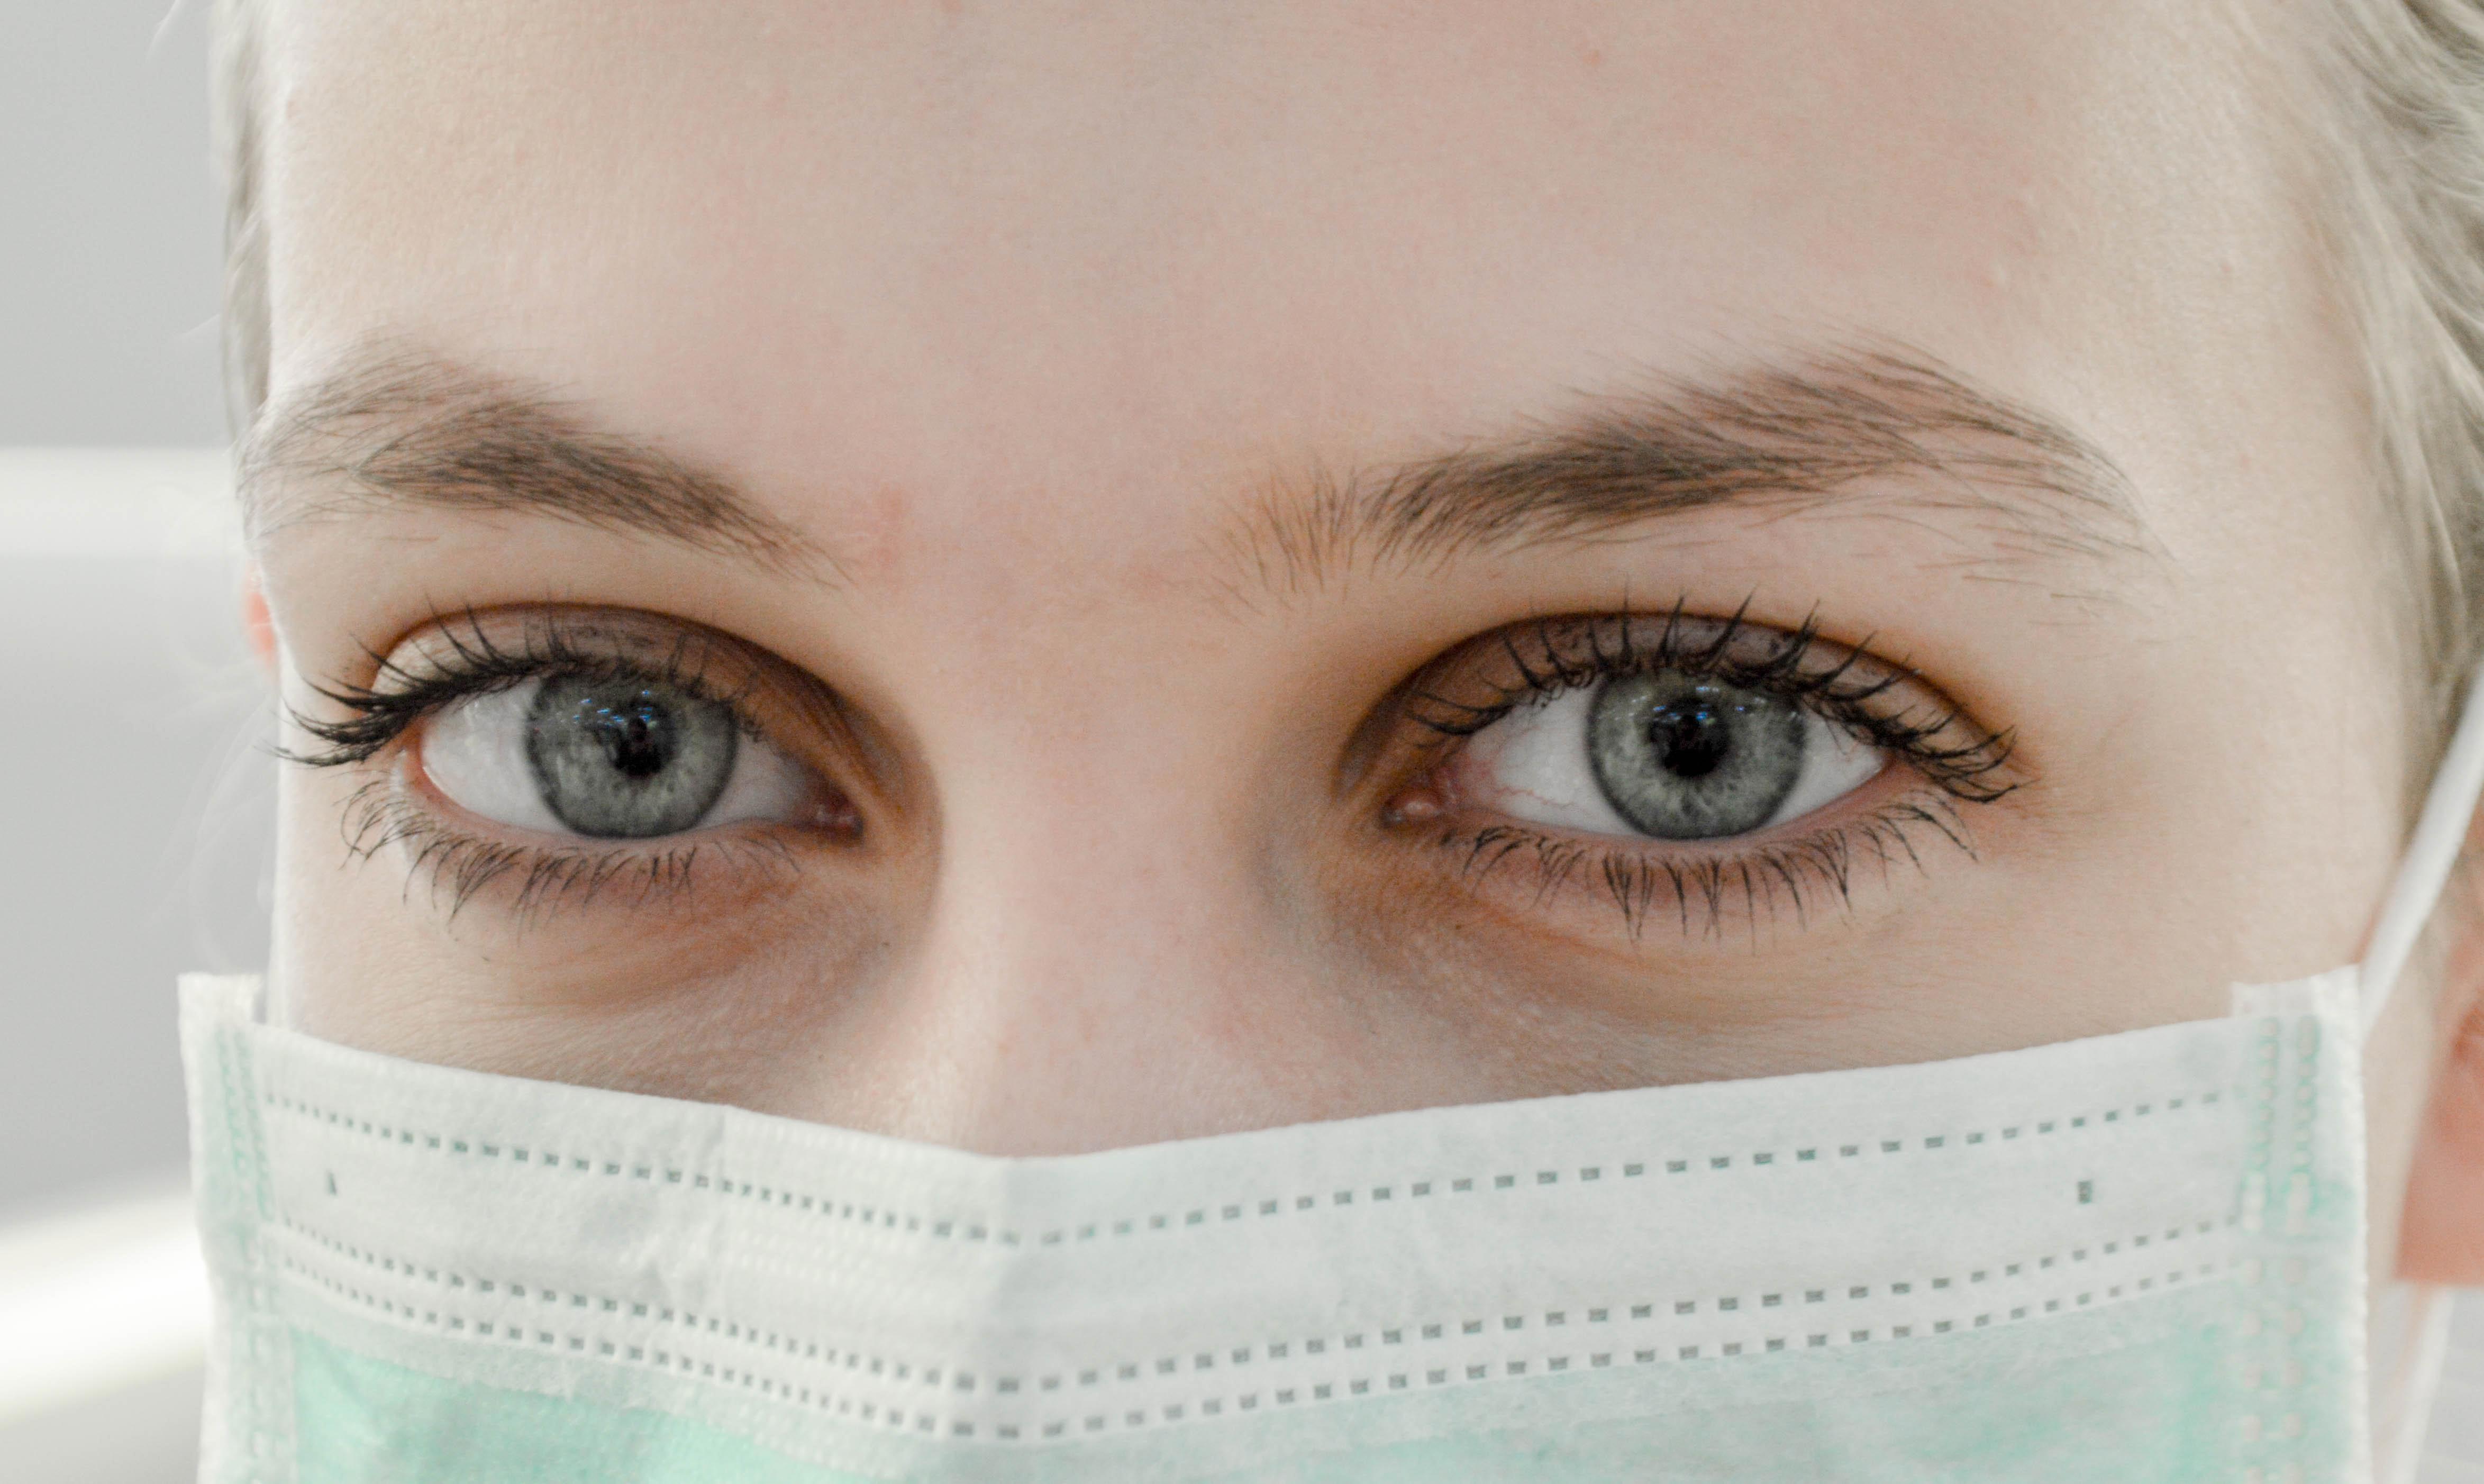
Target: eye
606, 757
1668, 754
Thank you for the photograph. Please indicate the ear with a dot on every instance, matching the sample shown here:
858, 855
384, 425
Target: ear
257, 625
2441, 1237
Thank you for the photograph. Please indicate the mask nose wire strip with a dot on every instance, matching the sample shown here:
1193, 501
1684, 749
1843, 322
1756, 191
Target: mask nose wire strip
2440, 835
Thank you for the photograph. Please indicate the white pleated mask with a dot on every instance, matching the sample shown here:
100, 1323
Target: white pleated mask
2139, 1256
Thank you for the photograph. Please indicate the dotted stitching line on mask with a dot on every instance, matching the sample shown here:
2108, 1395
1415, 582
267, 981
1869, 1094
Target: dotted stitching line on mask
894, 1416
2275, 1434
262, 1391
914, 1222
793, 1348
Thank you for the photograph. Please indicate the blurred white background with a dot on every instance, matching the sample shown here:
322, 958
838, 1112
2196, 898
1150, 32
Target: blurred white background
140, 803
137, 788
137, 809
109, 225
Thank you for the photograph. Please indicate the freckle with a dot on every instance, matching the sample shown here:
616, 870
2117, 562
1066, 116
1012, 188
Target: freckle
1591, 57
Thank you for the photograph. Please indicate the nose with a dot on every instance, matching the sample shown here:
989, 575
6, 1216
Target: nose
1103, 959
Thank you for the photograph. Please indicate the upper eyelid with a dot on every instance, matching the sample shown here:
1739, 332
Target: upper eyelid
1938, 737
404, 689
1548, 673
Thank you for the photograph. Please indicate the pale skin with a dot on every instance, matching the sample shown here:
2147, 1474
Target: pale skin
1017, 329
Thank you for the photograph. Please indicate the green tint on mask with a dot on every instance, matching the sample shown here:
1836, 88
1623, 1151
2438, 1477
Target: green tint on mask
2132, 1259
2087, 1402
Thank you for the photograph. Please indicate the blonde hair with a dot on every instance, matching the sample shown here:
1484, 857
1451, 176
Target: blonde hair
236, 104
2401, 119
2397, 125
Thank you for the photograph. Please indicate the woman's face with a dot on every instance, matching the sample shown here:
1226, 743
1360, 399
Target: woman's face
1048, 576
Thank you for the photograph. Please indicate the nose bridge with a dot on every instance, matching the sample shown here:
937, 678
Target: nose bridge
1091, 916
1078, 875
1085, 773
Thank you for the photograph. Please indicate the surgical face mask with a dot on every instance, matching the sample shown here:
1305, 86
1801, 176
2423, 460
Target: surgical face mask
2139, 1256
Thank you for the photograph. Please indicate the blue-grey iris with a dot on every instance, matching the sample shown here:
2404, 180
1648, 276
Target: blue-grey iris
628, 759
1683, 758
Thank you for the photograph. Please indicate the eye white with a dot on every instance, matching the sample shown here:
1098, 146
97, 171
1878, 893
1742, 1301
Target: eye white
474, 752
1532, 764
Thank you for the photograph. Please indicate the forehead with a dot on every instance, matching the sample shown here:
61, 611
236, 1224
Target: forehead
972, 249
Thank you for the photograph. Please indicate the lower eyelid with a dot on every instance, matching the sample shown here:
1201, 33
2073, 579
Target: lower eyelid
461, 864
1707, 890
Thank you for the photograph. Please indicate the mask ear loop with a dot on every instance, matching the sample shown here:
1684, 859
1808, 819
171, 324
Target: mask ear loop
2413, 1381
2440, 836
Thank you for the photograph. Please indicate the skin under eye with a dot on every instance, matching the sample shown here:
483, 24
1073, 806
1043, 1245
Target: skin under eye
606, 757
1666, 755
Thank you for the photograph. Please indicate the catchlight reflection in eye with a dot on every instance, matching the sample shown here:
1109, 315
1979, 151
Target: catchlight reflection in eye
1665, 755
601, 758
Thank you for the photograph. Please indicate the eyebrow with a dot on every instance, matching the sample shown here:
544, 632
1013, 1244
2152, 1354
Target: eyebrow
1885, 425
394, 425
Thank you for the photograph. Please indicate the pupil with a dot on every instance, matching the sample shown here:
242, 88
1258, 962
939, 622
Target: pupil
1690, 739
1683, 758
638, 739
628, 761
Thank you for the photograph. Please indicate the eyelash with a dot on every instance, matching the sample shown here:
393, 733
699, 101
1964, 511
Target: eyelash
476, 664
1546, 656
379, 815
